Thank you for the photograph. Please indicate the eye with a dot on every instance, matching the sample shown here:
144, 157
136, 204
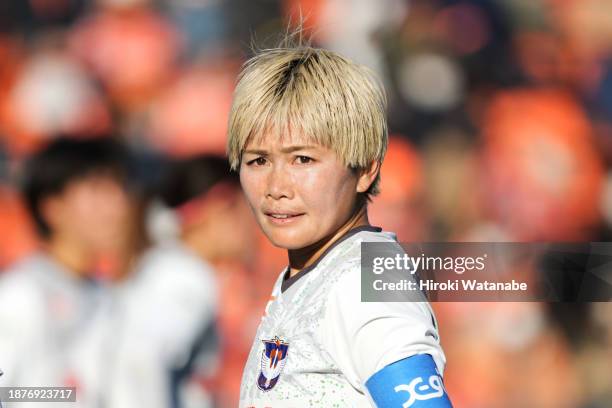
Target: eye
303, 159
259, 161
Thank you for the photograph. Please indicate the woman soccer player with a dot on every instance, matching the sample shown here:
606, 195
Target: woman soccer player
308, 133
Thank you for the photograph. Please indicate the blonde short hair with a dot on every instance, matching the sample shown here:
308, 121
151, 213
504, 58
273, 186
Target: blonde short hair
318, 94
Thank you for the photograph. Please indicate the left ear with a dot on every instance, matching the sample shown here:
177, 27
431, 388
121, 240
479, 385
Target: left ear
367, 175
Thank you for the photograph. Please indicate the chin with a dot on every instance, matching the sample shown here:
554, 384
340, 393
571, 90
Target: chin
286, 241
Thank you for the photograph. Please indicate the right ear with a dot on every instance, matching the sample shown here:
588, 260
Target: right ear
50, 210
367, 176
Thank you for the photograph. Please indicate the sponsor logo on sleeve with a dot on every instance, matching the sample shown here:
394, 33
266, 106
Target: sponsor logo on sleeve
419, 390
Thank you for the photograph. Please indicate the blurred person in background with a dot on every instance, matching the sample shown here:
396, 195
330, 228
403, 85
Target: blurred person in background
168, 340
51, 309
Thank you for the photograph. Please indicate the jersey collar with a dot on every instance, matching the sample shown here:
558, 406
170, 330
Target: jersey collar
288, 281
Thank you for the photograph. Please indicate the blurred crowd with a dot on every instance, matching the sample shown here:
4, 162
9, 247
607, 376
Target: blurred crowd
500, 116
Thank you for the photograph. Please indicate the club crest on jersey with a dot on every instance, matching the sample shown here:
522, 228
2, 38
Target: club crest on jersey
273, 360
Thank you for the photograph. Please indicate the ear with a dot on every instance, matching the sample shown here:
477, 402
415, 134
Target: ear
51, 210
367, 176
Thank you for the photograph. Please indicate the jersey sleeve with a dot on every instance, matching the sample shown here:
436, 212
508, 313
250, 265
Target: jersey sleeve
21, 324
164, 317
364, 337
412, 382
174, 300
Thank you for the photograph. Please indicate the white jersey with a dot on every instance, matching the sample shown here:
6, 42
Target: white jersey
165, 331
318, 344
49, 330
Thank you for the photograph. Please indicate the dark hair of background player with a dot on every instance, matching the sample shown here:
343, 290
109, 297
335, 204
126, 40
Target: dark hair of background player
190, 178
64, 160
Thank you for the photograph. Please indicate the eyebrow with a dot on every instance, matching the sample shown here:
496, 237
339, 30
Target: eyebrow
288, 149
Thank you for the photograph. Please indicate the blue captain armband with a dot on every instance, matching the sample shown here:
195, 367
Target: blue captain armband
413, 382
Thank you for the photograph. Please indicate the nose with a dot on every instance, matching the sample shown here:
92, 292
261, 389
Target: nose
279, 183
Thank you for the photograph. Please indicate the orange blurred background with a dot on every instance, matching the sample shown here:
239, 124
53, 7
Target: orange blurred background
501, 130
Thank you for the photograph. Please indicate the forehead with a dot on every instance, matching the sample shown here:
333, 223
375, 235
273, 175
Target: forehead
278, 141
95, 179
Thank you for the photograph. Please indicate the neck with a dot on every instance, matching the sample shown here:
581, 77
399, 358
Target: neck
304, 257
76, 259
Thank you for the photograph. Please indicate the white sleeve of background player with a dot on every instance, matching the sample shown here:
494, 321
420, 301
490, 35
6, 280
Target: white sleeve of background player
21, 325
365, 337
176, 301
173, 302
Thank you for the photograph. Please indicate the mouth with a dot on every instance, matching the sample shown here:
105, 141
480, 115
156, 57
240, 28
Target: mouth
282, 218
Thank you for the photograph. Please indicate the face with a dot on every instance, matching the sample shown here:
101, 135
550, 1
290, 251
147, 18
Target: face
218, 220
300, 193
94, 210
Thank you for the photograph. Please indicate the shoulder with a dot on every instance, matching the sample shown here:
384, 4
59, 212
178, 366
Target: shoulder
404, 327
168, 274
26, 276
345, 277
173, 256
371, 335
348, 249
345, 301
22, 289
345, 294
169, 263
171, 297
347, 260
